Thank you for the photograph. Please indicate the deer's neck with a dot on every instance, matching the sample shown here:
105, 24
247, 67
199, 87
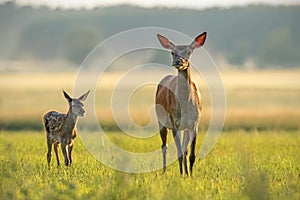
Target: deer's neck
184, 88
70, 122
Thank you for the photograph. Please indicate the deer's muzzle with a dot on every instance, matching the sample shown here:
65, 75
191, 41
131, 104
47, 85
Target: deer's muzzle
180, 64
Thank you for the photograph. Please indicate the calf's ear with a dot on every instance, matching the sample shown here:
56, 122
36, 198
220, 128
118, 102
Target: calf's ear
67, 96
84, 96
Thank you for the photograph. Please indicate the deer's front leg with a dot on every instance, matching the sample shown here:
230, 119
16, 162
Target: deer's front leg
70, 147
64, 151
176, 135
185, 142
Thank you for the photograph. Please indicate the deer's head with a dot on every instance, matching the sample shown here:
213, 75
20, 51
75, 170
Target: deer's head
76, 105
182, 53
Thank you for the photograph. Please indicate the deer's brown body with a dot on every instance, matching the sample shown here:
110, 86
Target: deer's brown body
166, 97
178, 102
61, 128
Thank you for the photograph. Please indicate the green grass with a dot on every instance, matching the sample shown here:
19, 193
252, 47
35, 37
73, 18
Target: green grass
243, 165
257, 156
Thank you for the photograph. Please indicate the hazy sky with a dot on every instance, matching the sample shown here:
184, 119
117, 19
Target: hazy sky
196, 4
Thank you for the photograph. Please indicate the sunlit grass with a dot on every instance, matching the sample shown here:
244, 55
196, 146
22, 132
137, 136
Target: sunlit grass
257, 156
243, 165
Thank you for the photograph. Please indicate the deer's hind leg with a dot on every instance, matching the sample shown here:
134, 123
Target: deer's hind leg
56, 153
193, 149
49, 153
163, 135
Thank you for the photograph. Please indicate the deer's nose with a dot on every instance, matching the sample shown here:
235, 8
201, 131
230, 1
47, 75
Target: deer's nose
178, 62
82, 113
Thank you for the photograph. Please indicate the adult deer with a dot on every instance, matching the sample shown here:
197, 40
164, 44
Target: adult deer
178, 102
61, 128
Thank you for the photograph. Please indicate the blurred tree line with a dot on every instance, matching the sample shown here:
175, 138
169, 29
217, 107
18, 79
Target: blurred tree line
269, 36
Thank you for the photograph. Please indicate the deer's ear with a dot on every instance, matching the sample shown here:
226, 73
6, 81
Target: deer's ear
84, 96
199, 41
67, 96
165, 42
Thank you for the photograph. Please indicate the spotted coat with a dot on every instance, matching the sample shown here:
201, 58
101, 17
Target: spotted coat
53, 122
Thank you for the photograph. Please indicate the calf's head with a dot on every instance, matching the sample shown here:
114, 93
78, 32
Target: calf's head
76, 105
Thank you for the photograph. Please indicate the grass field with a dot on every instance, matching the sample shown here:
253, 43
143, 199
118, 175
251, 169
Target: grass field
243, 165
256, 157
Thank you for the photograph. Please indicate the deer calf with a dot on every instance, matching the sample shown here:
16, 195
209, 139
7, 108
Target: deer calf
61, 128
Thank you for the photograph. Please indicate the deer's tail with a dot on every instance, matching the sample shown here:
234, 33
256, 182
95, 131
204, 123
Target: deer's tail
46, 123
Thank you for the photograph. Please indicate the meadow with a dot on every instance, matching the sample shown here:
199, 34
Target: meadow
243, 165
257, 155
